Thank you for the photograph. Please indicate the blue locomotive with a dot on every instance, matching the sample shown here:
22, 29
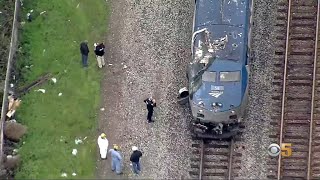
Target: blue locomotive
218, 73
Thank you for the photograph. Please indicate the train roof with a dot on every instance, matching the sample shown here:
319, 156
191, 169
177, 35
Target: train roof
221, 18
221, 12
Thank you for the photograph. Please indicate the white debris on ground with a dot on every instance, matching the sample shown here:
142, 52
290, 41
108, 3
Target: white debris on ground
41, 90
102, 109
256, 135
78, 141
54, 80
151, 40
74, 174
64, 175
74, 152
60, 94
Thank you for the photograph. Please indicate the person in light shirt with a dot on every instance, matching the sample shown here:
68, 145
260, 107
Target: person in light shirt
103, 144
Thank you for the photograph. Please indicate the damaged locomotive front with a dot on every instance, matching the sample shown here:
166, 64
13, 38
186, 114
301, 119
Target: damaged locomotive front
218, 72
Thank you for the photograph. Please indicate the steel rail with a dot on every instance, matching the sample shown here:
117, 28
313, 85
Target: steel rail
284, 84
313, 92
201, 159
230, 159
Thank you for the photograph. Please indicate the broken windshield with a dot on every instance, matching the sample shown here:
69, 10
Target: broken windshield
203, 54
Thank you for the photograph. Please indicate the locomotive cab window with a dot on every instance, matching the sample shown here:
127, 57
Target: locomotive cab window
230, 76
209, 76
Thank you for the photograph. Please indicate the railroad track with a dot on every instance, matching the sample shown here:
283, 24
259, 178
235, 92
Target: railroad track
297, 90
214, 159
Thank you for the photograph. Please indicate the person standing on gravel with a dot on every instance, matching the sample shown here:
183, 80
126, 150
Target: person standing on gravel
99, 51
135, 157
103, 144
84, 53
151, 103
116, 159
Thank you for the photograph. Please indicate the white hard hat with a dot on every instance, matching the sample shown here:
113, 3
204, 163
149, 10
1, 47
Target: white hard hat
134, 148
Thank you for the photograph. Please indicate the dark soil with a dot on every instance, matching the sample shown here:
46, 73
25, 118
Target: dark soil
6, 18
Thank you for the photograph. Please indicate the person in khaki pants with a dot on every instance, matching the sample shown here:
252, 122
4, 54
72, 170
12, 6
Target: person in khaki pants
99, 51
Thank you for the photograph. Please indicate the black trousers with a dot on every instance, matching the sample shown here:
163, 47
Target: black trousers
149, 116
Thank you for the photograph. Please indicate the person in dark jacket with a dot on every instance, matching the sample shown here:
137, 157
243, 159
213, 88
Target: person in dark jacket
151, 103
84, 52
135, 159
99, 51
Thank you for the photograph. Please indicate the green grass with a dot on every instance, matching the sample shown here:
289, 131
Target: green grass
49, 117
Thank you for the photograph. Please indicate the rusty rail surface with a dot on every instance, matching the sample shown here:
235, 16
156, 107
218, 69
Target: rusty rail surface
213, 159
13, 44
296, 89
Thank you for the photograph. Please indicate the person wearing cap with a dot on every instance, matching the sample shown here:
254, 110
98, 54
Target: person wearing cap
84, 53
151, 103
99, 51
103, 144
116, 159
135, 159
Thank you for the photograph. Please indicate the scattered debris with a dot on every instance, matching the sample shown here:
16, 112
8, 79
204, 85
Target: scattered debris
124, 67
43, 12
13, 105
74, 152
54, 80
60, 94
64, 175
12, 162
41, 90
77, 141
15, 151
74, 174
31, 11
13, 121
44, 50
11, 85
85, 138
102, 109
78, 5
35, 83
14, 131
29, 18
62, 139
110, 64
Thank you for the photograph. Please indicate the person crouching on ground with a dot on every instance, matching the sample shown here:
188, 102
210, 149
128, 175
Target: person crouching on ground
151, 103
116, 159
135, 159
99, 51
103, 144
84, 53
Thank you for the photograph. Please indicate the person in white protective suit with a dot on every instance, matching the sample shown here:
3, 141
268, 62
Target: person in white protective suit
103, 144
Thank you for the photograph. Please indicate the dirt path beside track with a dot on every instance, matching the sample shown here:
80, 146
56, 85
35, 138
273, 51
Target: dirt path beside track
148, 45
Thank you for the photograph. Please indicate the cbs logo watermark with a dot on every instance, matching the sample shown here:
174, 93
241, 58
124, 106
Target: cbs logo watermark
285, 150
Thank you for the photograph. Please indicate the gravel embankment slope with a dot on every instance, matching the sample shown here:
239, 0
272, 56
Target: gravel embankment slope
148, 46
256, 135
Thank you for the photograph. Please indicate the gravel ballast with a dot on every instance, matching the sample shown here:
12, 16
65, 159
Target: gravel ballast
256, 134
148, 47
